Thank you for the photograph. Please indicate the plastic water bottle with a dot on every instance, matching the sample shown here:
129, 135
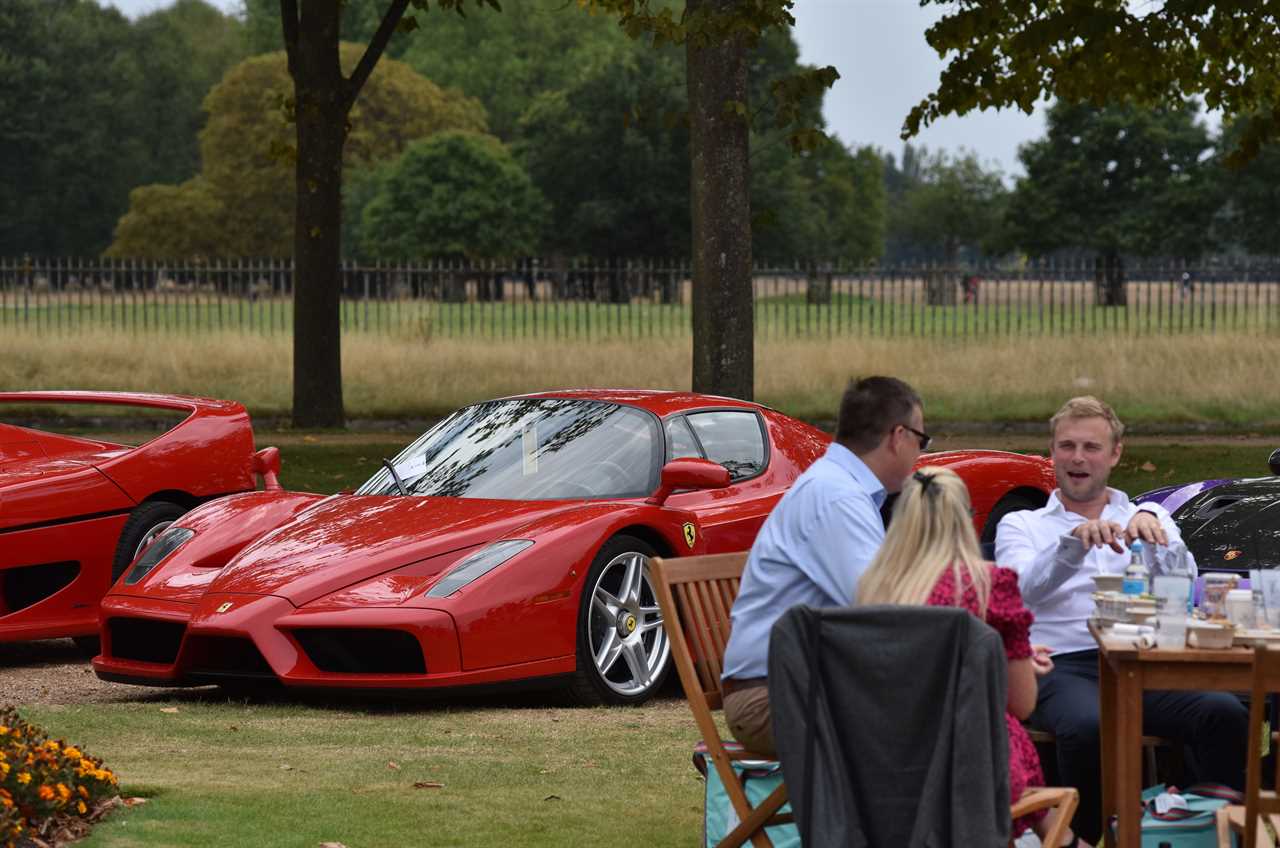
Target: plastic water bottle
1173, 598
1137, 577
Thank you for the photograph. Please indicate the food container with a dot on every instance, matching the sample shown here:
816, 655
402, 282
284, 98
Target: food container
1108, 582
1240, 607
1210, 634
1115, 607
1214, 602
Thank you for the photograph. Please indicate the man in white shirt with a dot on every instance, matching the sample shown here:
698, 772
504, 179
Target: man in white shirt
1083, 530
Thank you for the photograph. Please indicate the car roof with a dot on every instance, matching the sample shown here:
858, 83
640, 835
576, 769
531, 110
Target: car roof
661, 403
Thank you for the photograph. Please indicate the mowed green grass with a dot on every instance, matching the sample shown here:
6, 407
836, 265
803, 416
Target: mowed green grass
294, 775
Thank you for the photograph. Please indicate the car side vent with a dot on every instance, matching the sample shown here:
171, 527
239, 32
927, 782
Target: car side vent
1215, 506
145, 640
341, 650
28, 585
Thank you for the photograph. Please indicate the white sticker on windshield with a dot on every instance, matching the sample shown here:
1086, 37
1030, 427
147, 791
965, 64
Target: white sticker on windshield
529, 448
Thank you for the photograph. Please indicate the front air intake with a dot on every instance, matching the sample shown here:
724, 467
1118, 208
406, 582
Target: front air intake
225, 656
341, 650
145, 640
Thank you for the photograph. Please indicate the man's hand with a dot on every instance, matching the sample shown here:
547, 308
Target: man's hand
1041, 663
1145, 526
1098, 532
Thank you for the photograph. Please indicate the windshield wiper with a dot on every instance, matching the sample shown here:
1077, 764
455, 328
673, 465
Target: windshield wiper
386, 463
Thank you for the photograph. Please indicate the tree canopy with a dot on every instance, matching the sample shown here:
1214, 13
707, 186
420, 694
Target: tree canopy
247, 152
93, 105
949, 203
1106, 51
1116, 180
456, 195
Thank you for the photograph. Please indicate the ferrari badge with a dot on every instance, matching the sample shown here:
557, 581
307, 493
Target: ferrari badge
690, 535
1232, 554
224, 607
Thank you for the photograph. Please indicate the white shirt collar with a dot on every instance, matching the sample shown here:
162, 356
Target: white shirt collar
1115, 498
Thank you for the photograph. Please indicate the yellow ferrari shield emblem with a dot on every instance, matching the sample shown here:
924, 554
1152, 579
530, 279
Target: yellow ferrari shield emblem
690, 535
224, 607
1232, 554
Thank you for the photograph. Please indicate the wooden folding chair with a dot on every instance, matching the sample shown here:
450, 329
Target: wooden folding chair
696, 594
1247, 819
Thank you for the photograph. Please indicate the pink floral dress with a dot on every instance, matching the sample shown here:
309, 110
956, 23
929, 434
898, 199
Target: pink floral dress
1008, 617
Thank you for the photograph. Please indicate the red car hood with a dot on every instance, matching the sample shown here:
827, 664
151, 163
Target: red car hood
349, 539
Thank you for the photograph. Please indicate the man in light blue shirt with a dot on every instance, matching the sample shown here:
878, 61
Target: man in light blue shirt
819, 538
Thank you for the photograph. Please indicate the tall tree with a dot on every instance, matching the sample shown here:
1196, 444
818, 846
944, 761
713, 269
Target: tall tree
322, 101
718, 36
953, 203
1114, 181
1107, 51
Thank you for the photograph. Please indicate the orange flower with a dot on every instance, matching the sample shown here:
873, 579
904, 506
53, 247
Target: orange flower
64, 792
45, 793
72, 753
81, 807
24, 778
84, 793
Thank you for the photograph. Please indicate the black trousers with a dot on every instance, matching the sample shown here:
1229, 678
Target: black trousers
1215, 725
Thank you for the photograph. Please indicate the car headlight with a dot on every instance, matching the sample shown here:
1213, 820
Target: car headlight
166, 543
479, 563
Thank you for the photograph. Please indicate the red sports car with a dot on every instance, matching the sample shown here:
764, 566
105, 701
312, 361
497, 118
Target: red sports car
508, 543
75, 511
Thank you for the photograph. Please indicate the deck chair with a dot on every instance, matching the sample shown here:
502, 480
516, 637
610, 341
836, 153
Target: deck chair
695, 595
1248, 818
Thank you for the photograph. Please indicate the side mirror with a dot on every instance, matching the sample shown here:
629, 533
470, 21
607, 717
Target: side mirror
1273, 462
689, 473
266, 464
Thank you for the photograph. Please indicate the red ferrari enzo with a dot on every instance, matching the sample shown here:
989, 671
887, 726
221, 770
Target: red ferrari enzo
509, 543
75, 511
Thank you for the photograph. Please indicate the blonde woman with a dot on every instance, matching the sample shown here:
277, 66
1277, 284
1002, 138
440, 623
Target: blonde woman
930, 556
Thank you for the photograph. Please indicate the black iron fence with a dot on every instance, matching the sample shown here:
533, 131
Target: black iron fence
571, 298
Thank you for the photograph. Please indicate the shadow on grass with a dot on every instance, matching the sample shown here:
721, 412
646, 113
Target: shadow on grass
52, 657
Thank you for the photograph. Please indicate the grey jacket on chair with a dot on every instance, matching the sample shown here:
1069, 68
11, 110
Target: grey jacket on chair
889, 723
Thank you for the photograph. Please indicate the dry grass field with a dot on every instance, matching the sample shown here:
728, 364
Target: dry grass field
1222, 381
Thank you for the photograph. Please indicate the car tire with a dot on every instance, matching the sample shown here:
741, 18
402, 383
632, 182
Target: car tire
622, 649
1012, 502
146, 522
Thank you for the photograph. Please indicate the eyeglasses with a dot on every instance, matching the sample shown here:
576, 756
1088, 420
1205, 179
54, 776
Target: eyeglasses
925, 438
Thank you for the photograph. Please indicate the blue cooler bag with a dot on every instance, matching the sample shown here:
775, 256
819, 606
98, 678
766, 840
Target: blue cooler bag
758, 778
1193, 827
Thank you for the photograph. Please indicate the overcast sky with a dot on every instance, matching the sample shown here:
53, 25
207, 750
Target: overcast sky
885, 67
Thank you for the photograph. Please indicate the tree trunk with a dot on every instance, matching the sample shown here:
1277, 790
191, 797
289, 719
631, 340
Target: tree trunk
320, 97
818, 289
723, 331
1108, 278
940, 283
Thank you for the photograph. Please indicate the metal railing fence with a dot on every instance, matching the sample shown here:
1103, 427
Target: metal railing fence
583, 299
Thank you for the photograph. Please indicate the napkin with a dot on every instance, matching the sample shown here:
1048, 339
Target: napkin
1143, 634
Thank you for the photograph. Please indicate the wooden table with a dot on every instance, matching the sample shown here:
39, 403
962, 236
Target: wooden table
1124, 672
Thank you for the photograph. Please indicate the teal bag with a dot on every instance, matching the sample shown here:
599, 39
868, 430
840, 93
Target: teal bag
1190, 828
758, 779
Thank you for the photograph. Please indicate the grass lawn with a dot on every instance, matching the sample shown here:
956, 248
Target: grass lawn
221, 773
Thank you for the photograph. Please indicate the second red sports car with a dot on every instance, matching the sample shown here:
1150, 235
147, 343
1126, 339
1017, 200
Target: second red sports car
509, 543
75, 511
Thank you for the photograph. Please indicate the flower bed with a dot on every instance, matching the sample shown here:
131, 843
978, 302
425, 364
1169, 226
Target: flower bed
50, 792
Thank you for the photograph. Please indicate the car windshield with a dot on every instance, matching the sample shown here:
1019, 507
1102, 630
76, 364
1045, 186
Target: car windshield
530, 449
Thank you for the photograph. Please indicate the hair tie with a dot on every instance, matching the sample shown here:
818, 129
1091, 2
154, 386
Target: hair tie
925, 480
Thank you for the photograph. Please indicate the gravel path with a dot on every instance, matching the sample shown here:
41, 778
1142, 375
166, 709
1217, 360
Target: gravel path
54, 671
